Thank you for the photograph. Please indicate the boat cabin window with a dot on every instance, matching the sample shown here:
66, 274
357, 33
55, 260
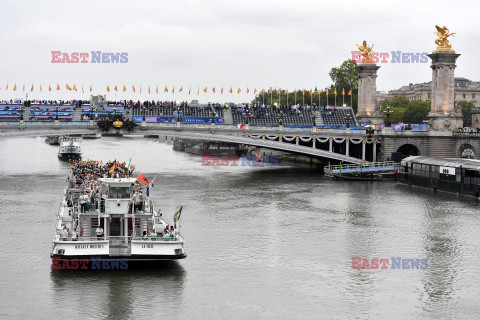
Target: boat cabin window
119, 192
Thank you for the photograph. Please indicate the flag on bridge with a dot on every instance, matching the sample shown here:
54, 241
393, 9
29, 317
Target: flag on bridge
152, 184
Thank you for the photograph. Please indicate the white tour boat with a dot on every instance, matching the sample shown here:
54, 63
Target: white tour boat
69, 148
125, 231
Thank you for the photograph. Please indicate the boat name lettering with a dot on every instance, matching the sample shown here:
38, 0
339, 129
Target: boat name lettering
91, 246
147, 246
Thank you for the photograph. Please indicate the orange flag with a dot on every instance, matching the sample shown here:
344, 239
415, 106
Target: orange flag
286, 91
262, 91
303, 91
40, 88
173, 90
68, 88
181, 89
239, 90
343, 92
205, 90
148, 89
231, 90
108, 89
6, 87
310, 91
15, 87
156, 90
221, 91
31, 88
74, 88
278, 91
295, 92
248, 90
133, 88
91, 88
335, 92
326, 92
124, 88
166, 89
58, 87
255, 91
270, 91
350, 92
115, 88
213, 90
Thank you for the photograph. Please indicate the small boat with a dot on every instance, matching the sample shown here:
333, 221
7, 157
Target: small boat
358, 177
70, 148
52, 140
92, 136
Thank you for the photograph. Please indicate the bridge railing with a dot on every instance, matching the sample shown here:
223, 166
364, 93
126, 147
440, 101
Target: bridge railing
466, 134
368, 165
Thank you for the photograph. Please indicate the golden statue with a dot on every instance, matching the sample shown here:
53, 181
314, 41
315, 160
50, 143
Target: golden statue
118, 124
442, 40
366, 52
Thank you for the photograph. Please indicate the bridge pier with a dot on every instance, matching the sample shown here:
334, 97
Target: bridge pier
314, 144
347, 146
374, 150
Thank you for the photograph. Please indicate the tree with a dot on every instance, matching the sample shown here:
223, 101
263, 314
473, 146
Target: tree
345, 78
466, 107
416, 112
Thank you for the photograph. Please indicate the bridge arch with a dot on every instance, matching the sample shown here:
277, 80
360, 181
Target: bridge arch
467, 151
408, 149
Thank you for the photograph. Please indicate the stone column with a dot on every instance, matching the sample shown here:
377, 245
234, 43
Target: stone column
314, 146
347, 146
330, 144
374, 150
367, 94
444, 115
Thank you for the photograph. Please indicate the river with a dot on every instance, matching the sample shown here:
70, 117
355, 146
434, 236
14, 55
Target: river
272, 242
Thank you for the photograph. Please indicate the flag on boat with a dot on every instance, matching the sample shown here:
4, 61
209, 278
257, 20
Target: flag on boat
152, 184
129, 163
112, 168
240, 126
142, 178
176, 216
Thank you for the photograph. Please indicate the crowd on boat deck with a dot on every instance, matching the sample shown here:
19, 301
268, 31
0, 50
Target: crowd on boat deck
84, 172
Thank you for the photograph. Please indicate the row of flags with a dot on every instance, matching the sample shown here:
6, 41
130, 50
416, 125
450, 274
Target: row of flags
205, 90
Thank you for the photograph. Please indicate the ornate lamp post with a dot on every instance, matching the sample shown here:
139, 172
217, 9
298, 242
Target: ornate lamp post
348, 118
388, 112
143, 120
213, 114
280, 120
247, 115
314, 118
179, 118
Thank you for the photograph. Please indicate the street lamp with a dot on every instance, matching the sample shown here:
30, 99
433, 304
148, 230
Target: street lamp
388, 112
348, 118
314, 124
143, 120
213, 113
280, 119
179, 117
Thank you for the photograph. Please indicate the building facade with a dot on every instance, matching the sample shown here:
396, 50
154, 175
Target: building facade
465, 90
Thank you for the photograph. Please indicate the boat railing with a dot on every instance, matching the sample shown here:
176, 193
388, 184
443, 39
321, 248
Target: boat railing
363, 165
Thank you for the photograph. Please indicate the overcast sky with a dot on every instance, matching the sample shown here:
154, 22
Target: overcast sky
255, 44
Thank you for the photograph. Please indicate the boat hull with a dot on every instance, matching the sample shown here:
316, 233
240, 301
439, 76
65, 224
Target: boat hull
69, 156
107, 262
